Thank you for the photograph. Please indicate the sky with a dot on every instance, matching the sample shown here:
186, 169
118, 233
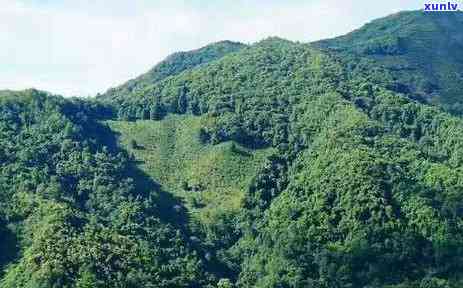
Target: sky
84, 47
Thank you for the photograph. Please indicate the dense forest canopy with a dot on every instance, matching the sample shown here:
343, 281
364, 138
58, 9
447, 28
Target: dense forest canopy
421, 51
278, 164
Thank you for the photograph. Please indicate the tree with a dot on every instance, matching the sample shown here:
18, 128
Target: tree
157, 111
224, 283
133, 144
204, 136
182, 103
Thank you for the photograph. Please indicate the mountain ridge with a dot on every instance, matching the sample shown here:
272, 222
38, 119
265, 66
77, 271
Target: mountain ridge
410, 45
175, 64
421, 49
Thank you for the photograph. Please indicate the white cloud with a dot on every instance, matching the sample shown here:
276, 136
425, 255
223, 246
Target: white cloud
84, 47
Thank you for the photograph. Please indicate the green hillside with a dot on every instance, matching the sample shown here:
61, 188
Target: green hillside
211, 179
71, 214
357, 163
278, 164
173, 65
421, 51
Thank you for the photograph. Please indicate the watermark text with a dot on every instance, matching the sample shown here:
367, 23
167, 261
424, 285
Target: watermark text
439, 7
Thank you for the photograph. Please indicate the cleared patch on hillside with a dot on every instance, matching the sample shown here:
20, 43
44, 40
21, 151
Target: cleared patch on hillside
210, 178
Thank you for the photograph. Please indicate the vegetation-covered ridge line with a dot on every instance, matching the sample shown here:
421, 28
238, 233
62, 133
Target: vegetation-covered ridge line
175, 64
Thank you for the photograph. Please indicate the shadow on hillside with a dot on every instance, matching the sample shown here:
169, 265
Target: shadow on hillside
9, 246
107, 136
170, 209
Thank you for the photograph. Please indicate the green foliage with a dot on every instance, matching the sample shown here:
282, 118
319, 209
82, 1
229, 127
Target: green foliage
81, 220
276, 165
173, 65
349, 196
419, 50
211, 179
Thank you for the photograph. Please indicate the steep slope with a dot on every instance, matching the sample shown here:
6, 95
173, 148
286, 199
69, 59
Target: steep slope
364, 189
175, 64
253, 89
421, 52
367, 205
210, 179
73, 212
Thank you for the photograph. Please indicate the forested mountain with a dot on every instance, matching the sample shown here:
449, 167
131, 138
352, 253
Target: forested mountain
277, 164
421, 51
176, 64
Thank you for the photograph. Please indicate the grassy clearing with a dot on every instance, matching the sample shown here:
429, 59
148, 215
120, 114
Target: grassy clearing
211, 179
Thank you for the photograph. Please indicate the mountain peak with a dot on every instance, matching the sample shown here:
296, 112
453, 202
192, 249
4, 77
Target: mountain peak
421, 50
175, 64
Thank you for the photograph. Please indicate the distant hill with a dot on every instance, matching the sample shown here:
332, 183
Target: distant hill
175, 64
422, 52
